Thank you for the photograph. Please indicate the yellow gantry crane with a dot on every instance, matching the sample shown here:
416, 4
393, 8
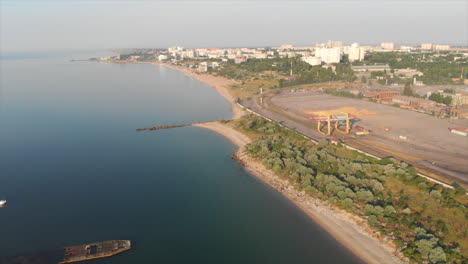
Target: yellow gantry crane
347, 129
319, 124
329, 118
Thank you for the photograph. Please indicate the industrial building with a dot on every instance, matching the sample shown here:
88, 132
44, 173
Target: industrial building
371, 68
407, 73
381, 95
411, 102
459, 113
462, 131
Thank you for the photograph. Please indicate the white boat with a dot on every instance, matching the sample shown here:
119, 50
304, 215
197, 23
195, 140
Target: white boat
2, 203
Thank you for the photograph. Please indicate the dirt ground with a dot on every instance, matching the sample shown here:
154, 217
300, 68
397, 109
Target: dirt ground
428, 141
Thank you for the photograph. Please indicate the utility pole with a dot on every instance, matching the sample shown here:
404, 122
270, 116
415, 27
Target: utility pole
261, 97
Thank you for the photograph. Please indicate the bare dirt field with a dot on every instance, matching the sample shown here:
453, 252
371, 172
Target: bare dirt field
428, 144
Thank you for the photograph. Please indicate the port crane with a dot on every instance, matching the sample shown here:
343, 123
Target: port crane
335, 119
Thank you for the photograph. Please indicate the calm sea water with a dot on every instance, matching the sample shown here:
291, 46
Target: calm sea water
74, 170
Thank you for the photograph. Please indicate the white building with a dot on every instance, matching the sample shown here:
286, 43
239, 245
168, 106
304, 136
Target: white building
175, 49
214, 56
303, 53
313, 61
286, 47
442, 47
203, 67
162, 57
388, 45
188, 54
240, 59
427, 46
258, 55
356, 53
407, 48
332, 55
334, 44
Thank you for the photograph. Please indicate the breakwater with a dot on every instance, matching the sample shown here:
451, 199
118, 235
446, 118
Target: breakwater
162, 127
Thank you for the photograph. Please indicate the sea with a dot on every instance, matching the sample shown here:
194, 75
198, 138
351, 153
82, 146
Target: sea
74, 170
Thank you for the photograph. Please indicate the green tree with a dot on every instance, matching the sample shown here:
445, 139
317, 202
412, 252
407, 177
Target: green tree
440, 98
408, 91
364, 195
425, 246
437, 255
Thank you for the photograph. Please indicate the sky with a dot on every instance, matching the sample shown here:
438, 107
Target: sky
45, 25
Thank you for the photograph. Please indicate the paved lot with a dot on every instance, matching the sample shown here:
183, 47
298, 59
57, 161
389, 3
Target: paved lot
429, 145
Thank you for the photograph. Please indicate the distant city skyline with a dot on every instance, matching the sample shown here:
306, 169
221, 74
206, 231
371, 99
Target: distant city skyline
50, 25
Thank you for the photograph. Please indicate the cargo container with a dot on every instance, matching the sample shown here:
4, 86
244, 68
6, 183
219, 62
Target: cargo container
362, 133
462, 131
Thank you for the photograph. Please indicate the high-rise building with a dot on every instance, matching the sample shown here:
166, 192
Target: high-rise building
356, 53
442, 47
334, 44
332, 55
388, 45
427, 46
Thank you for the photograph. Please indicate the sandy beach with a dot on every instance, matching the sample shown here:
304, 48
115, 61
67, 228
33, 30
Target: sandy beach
348, 229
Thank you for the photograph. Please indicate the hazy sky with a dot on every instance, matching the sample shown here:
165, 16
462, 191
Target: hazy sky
78, 24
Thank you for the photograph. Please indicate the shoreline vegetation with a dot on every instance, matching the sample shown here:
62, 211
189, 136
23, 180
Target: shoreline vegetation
380, 210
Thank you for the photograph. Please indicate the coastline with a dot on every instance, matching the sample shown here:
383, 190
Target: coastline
346, 228
349, 230
218, 83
